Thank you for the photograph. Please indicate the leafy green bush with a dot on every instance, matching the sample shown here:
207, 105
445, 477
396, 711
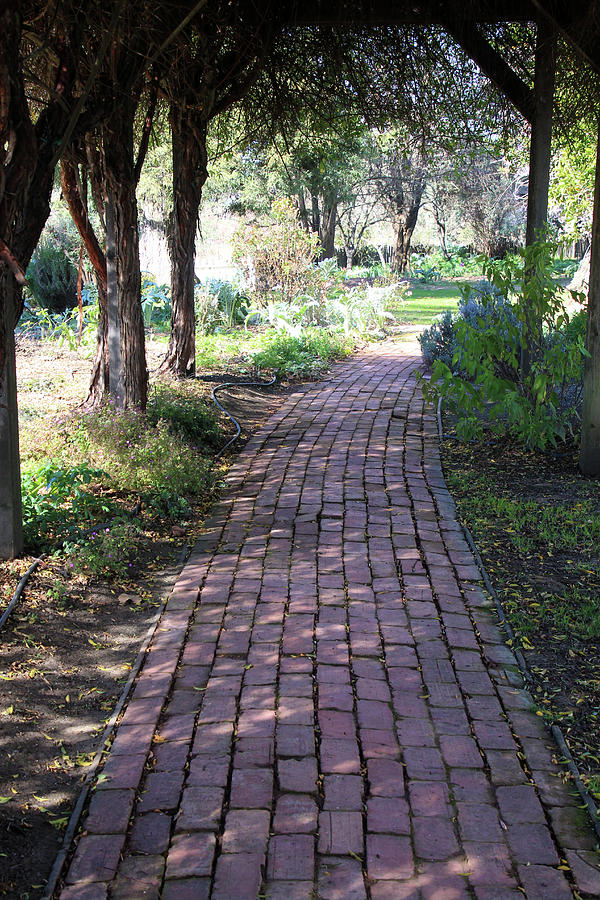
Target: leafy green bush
108, 552
156, 302
219, 305
309, 354
186, 414
276, 258
138, 454
52, 277
439, 341
57, 500
536, 405
482, 306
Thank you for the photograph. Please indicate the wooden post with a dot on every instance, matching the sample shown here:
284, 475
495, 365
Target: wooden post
540, 150
11, 517
589, 454
541, 131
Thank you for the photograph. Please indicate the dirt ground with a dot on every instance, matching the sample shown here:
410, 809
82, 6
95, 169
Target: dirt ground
565, 665
67, 650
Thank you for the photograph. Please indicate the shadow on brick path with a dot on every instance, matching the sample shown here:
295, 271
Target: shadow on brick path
328, 709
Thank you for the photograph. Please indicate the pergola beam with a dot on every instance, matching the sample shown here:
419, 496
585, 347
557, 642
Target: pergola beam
403, 12
493, 65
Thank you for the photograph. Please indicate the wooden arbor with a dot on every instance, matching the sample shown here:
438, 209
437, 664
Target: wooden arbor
462, 19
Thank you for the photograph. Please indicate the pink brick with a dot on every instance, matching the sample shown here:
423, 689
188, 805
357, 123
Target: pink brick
200, 808
187, 889
150, 833
295, 814
389, 857
291, 857
339, 756
434, 838
298, 775
340, 832
95, 891
543, 881
386, 778
251, 789
238, 876
246, 831
341, 878
96, 858
109, 811
429, 798
388, 815
519, 804
191, 855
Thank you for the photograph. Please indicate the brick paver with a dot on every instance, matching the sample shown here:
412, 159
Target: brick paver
328, 708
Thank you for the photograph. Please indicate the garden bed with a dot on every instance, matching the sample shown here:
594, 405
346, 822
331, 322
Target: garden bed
536, 522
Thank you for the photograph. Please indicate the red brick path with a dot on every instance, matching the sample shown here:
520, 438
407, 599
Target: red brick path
327, 709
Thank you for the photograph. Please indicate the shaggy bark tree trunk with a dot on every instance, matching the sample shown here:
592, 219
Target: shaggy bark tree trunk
405, 227
328, 222
589, 455
189, 175
70, 184
131, 383
11, 518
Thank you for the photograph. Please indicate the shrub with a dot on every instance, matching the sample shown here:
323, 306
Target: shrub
309, 354
536, 405
439, 341
276, 258
139, 455
57, 499
107, 552
186, 415
52, 278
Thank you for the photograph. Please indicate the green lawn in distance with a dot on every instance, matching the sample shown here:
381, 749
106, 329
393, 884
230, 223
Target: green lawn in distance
426, 301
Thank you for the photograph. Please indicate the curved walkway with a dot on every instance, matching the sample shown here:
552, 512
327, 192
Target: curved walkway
327, 709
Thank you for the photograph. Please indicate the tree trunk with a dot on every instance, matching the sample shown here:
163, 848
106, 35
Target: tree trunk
132, 381
327, 231
99, 381
405, 226
11, 530
589, 455
189, 175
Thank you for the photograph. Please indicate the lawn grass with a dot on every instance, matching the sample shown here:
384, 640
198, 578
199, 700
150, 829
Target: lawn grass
427, 301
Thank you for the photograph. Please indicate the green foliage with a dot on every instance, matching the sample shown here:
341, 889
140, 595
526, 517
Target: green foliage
64, 328
533, 528
276, 258
156, 302
219, 305
186, 414
307, 355
431, 267
108, 552
491, 390
57, 499
52, 277
140, 454
364, 311
438, 342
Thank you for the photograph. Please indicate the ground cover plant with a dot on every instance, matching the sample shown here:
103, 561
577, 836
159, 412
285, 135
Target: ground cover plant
536, 522
511, 362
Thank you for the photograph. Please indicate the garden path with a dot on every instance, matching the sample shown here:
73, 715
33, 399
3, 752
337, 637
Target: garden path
328, 708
